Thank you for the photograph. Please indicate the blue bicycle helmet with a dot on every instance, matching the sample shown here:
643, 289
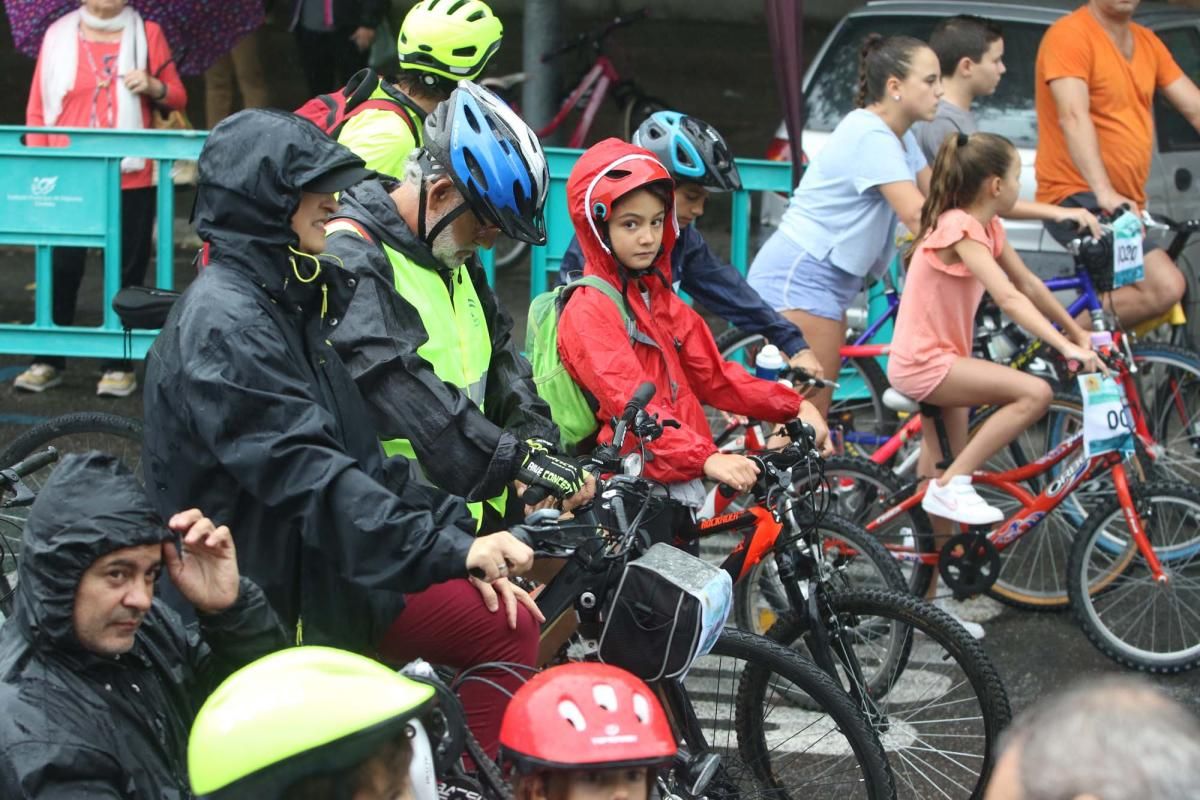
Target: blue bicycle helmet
690, 149
494, 159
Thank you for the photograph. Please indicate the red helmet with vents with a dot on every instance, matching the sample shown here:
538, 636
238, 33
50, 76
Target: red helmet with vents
585, 715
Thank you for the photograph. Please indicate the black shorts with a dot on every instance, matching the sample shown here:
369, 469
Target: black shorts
1064, 232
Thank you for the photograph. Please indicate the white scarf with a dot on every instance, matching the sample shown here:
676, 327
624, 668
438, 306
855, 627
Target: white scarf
60, 59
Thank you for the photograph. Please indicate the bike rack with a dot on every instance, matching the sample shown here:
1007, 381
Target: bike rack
71, 197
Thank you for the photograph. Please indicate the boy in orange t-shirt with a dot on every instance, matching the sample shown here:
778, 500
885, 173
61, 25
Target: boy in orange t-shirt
1096, 75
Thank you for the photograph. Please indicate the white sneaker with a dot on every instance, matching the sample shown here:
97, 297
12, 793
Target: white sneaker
38, 378
948, 605
116, 383
958, 501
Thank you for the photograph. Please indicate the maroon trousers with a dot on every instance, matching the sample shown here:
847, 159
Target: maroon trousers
448, 624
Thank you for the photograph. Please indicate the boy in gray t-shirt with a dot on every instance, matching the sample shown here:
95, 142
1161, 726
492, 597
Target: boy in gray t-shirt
970, 51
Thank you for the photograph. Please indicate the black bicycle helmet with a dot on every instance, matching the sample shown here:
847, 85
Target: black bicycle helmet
690, 149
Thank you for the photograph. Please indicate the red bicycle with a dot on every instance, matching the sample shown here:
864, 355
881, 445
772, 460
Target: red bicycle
593, 86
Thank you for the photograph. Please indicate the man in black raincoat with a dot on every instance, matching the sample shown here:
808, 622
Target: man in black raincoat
100, 682
251, 415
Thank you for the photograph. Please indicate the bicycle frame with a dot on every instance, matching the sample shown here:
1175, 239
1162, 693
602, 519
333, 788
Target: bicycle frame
602, 75
1035, 508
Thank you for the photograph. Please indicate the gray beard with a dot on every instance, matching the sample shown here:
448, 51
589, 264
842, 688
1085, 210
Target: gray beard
445, 248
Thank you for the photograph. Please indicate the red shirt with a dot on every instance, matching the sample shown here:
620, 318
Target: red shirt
88, 105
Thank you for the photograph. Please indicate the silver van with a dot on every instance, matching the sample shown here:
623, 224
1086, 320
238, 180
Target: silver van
1174, 186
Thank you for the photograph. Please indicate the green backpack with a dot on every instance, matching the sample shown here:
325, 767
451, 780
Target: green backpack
570, 408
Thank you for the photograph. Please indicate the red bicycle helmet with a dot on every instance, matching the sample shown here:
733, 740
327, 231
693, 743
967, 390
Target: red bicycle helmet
585, 715
627, 173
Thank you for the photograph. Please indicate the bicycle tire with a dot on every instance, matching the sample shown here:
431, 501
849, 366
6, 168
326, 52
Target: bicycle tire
1100, 579
872, 490
912, 668
862, 563
1161, 364
869, 420
487, 771
781, 752
10, 547
75, 433
508, 251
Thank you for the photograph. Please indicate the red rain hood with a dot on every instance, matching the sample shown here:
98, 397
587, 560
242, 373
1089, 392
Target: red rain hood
581, 187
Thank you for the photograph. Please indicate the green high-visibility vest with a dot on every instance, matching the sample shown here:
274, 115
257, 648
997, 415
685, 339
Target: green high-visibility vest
459, 347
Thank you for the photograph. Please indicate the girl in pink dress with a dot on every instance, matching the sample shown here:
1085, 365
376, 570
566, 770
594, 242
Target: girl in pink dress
961, 252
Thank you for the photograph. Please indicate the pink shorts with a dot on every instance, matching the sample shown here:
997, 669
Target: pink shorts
918, 379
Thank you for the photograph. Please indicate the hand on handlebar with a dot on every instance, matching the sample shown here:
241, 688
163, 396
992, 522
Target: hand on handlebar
1112, 202
547, 474
732, 470
1081, 218
498, 555
806, 360
1082, 359
813, 416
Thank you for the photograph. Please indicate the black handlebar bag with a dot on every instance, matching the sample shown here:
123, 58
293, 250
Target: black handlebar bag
667, 611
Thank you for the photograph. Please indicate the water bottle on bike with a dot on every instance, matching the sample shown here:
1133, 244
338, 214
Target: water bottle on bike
768, 363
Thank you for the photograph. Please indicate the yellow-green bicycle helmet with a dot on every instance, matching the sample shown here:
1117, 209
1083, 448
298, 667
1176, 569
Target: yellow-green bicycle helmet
451, 39
294, 714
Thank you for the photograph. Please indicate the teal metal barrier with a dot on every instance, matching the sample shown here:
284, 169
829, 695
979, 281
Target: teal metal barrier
757, 175
71, 197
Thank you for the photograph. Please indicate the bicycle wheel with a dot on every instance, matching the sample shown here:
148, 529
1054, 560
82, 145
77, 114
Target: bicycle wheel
10, 549
743, 708
857, 410
508, 251
860, 491
77, 433
1168, 381
937, 701
1127, 614
858, 559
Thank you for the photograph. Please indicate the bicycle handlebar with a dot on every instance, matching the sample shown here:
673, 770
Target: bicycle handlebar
772, 464
12, 475
596, 37
801, 375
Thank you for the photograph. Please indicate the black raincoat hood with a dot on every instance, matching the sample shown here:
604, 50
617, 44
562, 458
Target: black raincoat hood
252, 170
91, 506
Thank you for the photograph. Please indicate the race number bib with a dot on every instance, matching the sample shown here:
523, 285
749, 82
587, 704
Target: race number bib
1106, 424
1127, 250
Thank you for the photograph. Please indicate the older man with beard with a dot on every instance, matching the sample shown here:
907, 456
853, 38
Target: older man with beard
425, 337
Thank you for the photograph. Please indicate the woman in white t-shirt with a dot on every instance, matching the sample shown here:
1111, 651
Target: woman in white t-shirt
840, 225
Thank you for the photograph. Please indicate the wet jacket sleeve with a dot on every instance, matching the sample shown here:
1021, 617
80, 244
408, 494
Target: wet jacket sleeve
597, 352
728, 386
60, 768
231, 639
719, 287
460, 449
249, 404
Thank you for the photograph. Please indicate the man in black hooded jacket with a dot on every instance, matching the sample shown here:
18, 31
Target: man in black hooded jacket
100, 682
251, 415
